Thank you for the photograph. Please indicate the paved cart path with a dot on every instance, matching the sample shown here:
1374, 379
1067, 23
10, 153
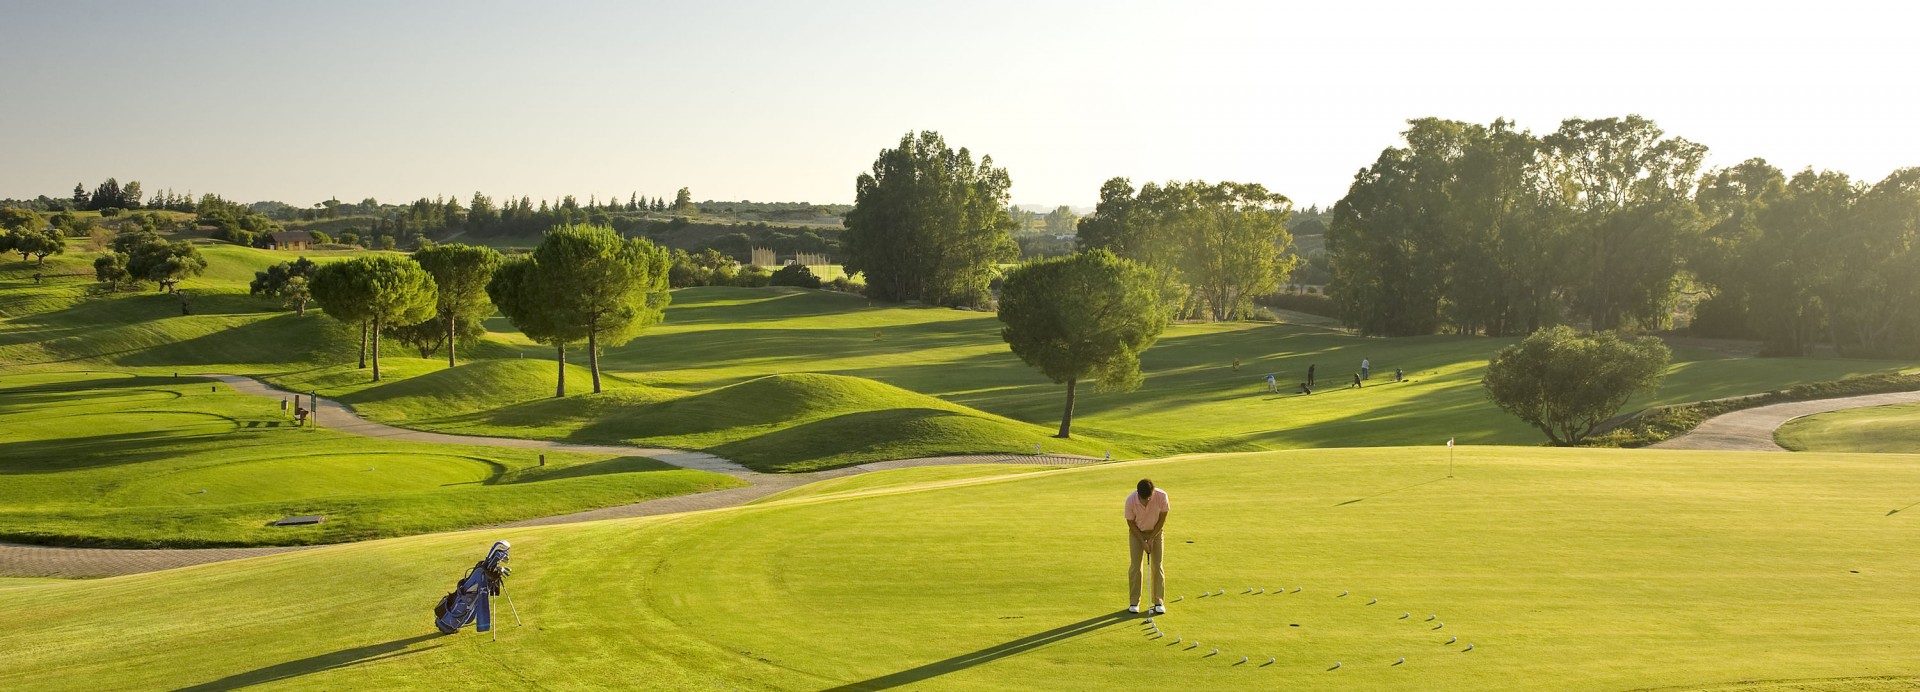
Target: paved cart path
1751, 430
50, 561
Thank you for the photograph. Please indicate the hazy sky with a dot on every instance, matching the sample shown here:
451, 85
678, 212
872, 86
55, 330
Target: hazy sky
792, 100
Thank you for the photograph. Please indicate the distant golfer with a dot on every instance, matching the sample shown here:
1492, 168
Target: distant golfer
1146, 520
1356, 382
1272, 385
1310, 381
1399, 376
1366, 369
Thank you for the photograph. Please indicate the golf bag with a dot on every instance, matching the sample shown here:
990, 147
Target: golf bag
472, 597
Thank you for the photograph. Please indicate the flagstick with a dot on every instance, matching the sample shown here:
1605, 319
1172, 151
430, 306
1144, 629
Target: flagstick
1449, 457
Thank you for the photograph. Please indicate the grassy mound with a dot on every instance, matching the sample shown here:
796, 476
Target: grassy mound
794, 422
141, 461
987, 584
1883, 429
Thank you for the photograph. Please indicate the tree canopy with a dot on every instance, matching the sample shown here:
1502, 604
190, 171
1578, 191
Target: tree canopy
1565, 384
375, 291
1085, 316
929, 224
1225, 243
583, 282
460, 275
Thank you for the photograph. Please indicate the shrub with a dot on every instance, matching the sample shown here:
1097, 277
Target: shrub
795, 275
1565, 384
110, 212
754, 276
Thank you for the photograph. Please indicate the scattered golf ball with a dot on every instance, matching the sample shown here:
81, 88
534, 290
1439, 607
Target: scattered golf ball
1373, 601
1403, 659
1177, 599
1404, 616
1431, 618
1216, 652
1299, 589
1451, 640
1469, 647
1439, 625
1243, 659
1269, 659
1336, 664
1343, 594
1249, 590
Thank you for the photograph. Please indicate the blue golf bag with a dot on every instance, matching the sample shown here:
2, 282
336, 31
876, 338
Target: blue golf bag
472, 597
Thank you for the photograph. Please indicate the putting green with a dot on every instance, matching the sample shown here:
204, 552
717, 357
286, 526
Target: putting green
307, 476
1567, 569
158, 462
1884, 429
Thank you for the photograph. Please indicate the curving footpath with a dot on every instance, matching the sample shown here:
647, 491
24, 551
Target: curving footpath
1751, 430
52, 561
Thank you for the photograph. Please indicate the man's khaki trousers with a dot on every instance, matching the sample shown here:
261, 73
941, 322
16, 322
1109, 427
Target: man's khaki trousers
1151, 547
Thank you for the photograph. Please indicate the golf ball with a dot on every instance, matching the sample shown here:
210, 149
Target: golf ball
1469, 647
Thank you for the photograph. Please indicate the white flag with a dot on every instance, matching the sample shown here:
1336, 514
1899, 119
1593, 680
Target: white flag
1449, 443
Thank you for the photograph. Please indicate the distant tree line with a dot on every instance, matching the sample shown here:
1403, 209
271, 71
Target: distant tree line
1219, 245
1489, 229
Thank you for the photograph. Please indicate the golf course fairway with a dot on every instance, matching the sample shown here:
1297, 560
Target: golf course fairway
1565, 569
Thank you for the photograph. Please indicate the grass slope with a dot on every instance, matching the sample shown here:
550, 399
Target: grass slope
945, 381
796, 422
115, 459
1568, 569
1886, 429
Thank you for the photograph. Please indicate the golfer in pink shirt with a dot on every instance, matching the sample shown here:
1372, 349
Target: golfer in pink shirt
1146, 515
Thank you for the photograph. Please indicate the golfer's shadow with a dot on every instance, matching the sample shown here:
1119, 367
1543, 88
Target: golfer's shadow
990, 654
315, 664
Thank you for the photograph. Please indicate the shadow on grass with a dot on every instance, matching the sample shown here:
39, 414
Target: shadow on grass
315, 664
1390, 492
990, 654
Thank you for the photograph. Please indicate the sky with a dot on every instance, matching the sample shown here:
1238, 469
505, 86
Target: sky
791, 101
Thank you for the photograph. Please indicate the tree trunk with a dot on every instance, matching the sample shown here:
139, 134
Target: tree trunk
593, 353
1066, 418
561, 390
363, 345
376, 350
450, 323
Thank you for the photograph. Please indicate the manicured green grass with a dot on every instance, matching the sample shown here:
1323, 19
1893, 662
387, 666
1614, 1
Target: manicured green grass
114, 459
905, 381
1885, 429
1567, 569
